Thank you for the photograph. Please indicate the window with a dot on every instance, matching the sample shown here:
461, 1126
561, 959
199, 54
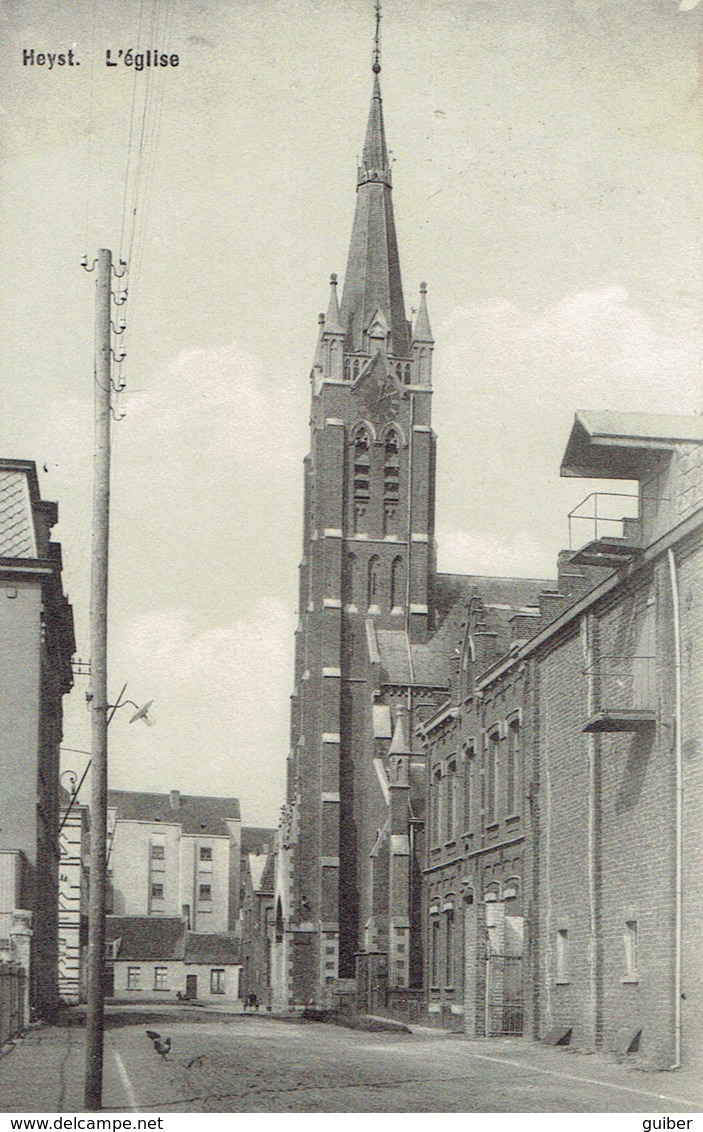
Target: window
374, 587
217, 981
492, 754
205, 853
434, 952
362, 480
134, 978
563, 955
514, 777
449, 955
470, 788
630, 942
391, 484
450, 782
160, 978
436, 807
157, 892
205, 892
158, 852
397, 584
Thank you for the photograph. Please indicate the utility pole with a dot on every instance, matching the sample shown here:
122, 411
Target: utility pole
98, 697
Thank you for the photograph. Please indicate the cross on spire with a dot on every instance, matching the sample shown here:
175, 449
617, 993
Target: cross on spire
377, 41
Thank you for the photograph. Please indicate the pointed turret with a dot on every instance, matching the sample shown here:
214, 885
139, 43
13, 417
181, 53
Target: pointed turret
372, 281
333, 322
422, 331
423, 342
319, 359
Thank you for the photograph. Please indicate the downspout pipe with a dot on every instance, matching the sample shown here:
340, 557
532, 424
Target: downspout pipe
678, 886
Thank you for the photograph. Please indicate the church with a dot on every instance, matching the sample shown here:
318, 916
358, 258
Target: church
378, 627
493, 806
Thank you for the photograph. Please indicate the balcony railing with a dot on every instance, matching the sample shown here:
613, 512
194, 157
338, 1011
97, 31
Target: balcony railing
599, 515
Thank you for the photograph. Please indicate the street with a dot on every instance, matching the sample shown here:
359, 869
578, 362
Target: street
262, 1064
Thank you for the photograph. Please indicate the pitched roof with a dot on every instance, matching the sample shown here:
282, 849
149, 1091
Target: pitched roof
269, 875
428, 664
146, 937
261, 871
213, 947
196, 815
17, 537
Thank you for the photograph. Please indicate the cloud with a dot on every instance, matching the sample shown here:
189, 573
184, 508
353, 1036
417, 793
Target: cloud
595, 348
519, 555
220, 702
218, 403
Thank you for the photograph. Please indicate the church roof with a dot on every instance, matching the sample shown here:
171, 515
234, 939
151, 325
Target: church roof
427, 664
372, 280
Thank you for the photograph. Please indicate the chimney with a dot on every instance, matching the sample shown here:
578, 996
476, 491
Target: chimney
175, 799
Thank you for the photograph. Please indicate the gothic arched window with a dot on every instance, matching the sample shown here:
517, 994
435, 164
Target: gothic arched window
361, 477
356, 368
407, 373
374, 581
391, 484
347, 369
397, 583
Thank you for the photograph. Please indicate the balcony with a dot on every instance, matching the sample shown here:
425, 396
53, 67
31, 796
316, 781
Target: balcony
625, 687
613, 538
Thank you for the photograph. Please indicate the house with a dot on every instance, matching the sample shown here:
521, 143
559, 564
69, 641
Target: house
151, 958
563, 874
175, 855
36, 646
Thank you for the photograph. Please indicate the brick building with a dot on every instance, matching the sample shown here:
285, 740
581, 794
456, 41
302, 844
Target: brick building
366, 667
377, 633
564, 833
36, 646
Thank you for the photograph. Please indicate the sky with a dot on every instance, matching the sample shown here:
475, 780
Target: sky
547, 186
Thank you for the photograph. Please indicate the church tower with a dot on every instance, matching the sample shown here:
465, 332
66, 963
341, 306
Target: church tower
365, 607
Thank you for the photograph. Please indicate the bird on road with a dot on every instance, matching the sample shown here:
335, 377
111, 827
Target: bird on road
161, 1045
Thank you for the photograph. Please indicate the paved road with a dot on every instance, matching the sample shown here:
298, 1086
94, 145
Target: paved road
266, 1065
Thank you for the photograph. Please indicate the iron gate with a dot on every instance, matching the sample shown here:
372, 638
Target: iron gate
504, 995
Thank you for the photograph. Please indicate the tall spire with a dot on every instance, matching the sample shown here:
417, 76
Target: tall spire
372, 281
374, 160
